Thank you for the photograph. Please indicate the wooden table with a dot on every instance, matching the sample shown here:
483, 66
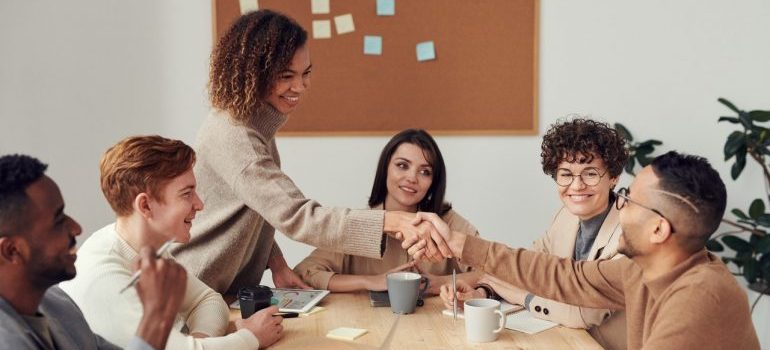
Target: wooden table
427, 328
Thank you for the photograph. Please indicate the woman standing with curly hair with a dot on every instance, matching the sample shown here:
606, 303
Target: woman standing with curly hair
260, 72
585, 158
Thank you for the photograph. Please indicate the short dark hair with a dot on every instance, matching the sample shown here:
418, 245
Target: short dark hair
566, 139
17, 172
434, 198
694, 179
248, 58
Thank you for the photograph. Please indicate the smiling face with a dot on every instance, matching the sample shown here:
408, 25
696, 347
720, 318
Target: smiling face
580, 199
172, 216
291, 83
410, 176
51, 236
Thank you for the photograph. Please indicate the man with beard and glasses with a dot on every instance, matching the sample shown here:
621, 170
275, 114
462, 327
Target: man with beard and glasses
676, 294
37, 251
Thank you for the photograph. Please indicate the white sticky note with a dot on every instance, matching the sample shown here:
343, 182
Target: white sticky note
426, 51
386, 7
344, 24
344, 333
322, 29
372, 45
319, 6
249, 5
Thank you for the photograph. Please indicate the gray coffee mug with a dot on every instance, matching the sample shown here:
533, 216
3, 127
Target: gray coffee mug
404, 290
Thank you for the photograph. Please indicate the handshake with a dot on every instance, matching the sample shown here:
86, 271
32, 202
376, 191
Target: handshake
424, 235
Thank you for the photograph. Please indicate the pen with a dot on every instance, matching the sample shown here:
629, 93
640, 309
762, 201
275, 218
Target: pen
138, 273
287, 314
454, 294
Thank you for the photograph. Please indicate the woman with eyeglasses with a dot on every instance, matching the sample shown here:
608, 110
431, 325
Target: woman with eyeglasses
585, 158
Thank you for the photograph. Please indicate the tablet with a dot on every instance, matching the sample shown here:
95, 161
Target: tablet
293, 300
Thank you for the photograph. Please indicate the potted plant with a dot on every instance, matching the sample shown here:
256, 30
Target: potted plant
752, 255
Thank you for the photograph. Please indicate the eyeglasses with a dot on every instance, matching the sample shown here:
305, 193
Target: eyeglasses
623, 198
589, 176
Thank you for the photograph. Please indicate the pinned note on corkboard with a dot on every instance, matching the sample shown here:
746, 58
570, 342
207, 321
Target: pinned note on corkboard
477, 77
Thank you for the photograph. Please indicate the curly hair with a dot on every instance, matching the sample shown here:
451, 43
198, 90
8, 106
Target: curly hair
17, 172
567, 140
248, 59
141, 164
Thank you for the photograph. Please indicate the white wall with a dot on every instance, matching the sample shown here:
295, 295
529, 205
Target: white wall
76, 76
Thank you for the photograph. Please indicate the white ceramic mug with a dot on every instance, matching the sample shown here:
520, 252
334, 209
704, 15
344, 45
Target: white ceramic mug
483, 320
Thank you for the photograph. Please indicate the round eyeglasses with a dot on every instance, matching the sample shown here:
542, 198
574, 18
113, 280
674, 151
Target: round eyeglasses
623, 198
589, 176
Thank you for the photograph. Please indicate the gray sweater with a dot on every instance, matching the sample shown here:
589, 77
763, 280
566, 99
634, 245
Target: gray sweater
247, 197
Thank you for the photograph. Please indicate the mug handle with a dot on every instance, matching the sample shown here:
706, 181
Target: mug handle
502, 321
427, 284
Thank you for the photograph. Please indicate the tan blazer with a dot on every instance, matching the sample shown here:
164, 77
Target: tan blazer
319, 267
606, 326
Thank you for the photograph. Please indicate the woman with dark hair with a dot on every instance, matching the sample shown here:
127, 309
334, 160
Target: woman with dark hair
585, 158
410, 177
260, 71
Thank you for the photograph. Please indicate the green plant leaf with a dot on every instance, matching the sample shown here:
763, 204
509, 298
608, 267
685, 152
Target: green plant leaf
713, 245
746, 120
734, 143
624, 133
630, 166
764, 266
763, 246
649, 143
756, 208
645, 161
644, 149
760, 116
739, 214
763, 220
737, 168
733, 120
748, 222
737, 244
750, 270
729, 104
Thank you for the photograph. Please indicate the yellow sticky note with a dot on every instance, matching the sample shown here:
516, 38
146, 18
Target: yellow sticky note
344, 24
313, 311
344, 333
322, 29
319, 6
249, 5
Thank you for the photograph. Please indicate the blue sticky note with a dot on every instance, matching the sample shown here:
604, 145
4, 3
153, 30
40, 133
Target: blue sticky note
426, 51
372, 45
386, 7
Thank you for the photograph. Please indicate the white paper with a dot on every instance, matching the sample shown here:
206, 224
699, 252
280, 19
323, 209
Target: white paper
344, 24
523, 321
249, 5
505, 307
322, 29
319, 6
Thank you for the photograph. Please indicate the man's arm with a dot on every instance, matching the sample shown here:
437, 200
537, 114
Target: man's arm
161, 289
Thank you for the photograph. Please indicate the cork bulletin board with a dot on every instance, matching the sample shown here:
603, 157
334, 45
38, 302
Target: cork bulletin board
482, 81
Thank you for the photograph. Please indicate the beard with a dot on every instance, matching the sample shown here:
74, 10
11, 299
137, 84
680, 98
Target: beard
46, 271
627, 248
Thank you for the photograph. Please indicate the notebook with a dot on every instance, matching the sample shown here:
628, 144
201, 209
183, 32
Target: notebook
505, 307
523, 321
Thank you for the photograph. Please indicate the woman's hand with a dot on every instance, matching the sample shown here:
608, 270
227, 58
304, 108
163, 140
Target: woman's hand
283, 276
464, 292
380, 283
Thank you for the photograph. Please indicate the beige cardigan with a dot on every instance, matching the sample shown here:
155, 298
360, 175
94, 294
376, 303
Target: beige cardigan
247, 197
606, 326
697, 305
319, 267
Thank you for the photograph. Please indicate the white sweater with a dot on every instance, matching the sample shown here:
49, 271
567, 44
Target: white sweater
104, 267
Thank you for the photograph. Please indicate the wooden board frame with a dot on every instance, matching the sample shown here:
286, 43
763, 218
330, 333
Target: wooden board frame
354, 95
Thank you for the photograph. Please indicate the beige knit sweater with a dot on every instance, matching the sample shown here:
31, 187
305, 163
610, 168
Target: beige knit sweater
247, 197
697, 305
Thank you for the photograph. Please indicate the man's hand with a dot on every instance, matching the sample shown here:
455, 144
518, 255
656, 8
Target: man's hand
161, 288
283, 276
266, 327
429, 242
453, 241
507, 291
464, 292
380, 283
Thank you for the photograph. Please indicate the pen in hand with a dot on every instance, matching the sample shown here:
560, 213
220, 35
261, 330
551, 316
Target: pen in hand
138, 273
